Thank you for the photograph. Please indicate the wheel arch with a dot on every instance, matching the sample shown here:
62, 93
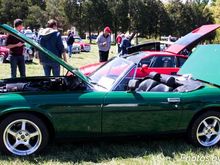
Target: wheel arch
44, 118
204, 110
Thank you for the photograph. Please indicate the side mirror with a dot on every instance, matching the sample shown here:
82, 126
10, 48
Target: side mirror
133, 84
144, 68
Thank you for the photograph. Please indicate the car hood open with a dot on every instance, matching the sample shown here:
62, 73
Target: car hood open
52, 56
203, 64
192, 39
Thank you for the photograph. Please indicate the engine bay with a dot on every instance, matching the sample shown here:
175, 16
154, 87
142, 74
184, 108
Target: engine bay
62, 83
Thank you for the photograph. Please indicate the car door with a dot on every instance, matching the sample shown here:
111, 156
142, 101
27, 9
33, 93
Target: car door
143, 112
75, 114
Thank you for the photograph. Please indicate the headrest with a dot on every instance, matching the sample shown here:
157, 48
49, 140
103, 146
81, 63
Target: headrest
168, 80
155, 76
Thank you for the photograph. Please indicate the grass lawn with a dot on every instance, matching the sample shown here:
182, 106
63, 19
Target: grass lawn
77, 60
159, 151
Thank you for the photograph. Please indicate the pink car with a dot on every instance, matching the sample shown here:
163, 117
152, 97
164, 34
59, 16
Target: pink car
4, 52
84, 46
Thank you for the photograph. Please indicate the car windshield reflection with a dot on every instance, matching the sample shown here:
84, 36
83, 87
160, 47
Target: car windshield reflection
111, 72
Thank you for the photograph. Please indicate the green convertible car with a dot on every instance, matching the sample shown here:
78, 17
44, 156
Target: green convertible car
111, 102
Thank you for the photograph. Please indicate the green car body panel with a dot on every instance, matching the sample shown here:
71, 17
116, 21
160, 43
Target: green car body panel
207, 54
91, 113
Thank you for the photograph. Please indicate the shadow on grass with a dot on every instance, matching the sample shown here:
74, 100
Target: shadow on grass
103, 150
31, 63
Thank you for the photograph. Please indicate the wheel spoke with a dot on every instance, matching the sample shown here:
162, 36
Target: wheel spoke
201, 134
204, 122
214, 122
214, 133
34, 134
23, 125
11, 132
28, 145
16, 144
207, 139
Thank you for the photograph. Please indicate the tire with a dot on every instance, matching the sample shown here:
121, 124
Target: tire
205, 130
23, 134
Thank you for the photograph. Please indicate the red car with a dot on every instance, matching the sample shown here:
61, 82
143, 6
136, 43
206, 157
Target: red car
166, 62
84, 46
4, 52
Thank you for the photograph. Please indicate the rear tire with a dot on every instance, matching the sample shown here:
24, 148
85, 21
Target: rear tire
205, 130
23, 134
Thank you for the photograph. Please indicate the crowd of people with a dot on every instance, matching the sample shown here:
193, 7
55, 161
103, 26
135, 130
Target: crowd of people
50, 38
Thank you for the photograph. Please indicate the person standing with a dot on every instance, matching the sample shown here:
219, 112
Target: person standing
70, 41
50, 38
125, 44
16, 51
104, 44
119, 39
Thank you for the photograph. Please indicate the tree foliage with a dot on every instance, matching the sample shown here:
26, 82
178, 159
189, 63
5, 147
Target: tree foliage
150, 18
11, 10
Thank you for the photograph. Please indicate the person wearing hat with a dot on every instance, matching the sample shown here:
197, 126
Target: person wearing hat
16, 51
104, 44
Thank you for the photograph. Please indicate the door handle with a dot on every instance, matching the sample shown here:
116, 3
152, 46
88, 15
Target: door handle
173, 100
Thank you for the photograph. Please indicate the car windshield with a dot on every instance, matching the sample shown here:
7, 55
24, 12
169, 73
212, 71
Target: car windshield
111, 72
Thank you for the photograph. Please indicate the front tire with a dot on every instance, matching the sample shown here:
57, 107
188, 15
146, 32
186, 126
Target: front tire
205, 130
23, 134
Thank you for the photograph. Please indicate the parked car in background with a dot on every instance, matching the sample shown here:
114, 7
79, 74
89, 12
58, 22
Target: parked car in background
92, 37
4, 52
162, 62
75, 49
28, 53
150, 46
159, 58
30, 34
168, 38
100, 106
84, 46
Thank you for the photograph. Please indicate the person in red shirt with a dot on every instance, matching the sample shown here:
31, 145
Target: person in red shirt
16, 51
119, 38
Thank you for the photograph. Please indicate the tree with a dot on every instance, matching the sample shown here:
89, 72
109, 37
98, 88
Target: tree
163, 20
55, 10
36, 17
40, 3
73, 12
78, 11
119, 10
215, 8
10, 10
